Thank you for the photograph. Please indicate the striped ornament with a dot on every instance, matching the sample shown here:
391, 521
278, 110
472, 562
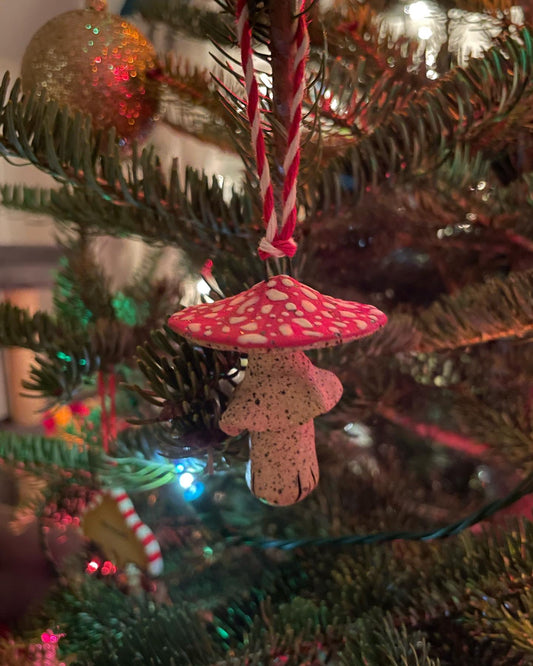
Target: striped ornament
276, 242
142, 532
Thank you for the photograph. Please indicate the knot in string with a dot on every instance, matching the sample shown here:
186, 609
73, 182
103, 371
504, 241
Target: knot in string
279, 247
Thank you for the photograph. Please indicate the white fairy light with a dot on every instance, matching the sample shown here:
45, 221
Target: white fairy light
204, 290
425, 32
422, 20
202, 287
186, 480
418, 11
472, 33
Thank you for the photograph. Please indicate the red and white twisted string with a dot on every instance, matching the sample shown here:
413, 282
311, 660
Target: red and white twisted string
275, 243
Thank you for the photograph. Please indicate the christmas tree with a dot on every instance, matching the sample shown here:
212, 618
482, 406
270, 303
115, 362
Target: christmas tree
390, 143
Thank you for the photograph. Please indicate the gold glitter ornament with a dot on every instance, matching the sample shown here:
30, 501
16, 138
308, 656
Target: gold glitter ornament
96, 63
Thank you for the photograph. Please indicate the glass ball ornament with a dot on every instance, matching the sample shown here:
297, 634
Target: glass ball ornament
96, 63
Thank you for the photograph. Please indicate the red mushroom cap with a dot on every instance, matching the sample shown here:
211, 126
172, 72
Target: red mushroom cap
279, 313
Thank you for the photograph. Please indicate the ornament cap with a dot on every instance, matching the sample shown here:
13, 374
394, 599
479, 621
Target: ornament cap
279, 313
96, 5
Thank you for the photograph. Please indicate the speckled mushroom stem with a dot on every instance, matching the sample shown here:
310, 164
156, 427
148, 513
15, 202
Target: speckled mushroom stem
283, 467
276, 402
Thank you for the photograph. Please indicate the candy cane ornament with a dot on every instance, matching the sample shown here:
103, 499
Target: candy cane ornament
140, 529
99, 523
275, 243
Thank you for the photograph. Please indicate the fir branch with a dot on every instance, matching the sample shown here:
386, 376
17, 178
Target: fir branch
423, 135
429, 124
59, 377
356, 100
294, 631
34, 451
500, 308
69, 355
375, 639
186, 380
81, 289
28, 199
192, 103
500, 429
154, 206
511, 621
159, 636
43, 455
38, 332
208, 227
138, 442
185, 16
137, 474
70, 367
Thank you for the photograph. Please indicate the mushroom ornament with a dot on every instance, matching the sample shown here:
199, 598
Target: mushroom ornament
274, 322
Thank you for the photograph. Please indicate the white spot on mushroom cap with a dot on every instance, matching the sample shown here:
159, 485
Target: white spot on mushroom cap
329, 306
285, 329
290, 306
194, 327
247, 304
308, 306
265, 309
276, 295
237, 320
345, 313
304, 323
298, 313
252, 338
226, 329
287, 282
362, 324
315, 334
309, 293
271, 283
252, 326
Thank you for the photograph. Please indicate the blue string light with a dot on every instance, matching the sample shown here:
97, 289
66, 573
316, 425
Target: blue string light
194, 491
